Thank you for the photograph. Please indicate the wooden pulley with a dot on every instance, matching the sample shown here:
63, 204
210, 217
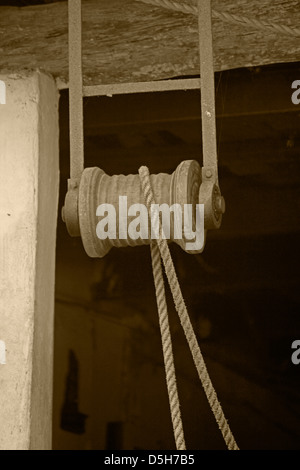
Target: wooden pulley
99, 193
189, 185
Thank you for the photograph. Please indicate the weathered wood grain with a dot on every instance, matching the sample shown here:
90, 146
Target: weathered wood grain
128, 41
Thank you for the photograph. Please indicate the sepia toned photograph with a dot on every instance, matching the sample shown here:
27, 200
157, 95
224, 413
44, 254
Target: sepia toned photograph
149, 227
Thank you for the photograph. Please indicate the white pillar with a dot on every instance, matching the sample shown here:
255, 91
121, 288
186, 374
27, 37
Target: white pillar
29, 179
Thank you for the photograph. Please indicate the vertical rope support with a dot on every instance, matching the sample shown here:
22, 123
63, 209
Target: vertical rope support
75, 90
183, 315
167, 347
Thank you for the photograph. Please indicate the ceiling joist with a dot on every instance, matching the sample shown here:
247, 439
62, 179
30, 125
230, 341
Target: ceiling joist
127, 41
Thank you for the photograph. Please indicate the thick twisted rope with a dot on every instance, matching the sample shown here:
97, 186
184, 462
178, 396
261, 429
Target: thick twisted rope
167, 348
184, 7
183, 314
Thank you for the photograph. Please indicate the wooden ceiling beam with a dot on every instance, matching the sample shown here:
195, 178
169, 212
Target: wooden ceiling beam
127, 41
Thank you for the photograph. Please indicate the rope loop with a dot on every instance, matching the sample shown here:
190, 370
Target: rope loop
160, 251
191, 8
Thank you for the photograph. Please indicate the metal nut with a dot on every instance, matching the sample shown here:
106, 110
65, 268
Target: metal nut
220, 204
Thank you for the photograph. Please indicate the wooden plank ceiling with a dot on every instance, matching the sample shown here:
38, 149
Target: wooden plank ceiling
128, 41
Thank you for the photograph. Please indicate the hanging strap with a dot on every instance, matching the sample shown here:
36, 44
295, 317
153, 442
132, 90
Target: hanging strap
161, 245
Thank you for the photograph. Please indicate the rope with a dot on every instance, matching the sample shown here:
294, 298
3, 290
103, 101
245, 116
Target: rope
167, 347
183, 314
227, 17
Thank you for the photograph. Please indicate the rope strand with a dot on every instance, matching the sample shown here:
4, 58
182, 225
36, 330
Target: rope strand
167, 348
184, 7
183, 314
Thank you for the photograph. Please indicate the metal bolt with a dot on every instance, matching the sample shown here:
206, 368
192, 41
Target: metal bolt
220, 204
208, 173
72, 184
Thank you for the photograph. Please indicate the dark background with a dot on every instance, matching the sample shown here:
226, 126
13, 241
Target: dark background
242, 293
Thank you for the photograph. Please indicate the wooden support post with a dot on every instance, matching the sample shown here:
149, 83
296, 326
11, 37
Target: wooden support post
28, 215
